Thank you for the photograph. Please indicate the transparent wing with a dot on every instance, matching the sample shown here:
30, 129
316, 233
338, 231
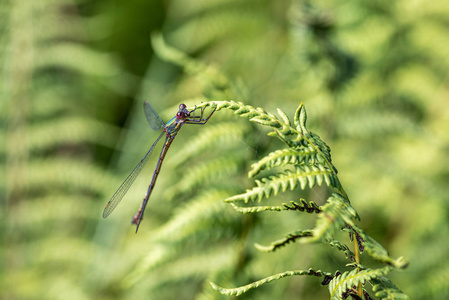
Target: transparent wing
153, 118
121, 191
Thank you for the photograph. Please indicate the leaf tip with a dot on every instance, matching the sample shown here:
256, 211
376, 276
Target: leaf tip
263, 248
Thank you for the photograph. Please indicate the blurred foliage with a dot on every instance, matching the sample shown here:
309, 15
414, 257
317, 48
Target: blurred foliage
372, 74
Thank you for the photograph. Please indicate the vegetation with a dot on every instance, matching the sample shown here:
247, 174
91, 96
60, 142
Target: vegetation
373, 76
312, 165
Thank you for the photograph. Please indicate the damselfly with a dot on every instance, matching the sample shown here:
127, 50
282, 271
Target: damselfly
171, 128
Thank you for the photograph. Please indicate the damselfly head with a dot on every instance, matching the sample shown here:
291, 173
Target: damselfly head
183, 112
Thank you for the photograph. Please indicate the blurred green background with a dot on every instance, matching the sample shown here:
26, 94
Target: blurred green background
372, 74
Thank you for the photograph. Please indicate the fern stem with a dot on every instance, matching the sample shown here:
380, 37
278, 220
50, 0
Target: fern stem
357, 260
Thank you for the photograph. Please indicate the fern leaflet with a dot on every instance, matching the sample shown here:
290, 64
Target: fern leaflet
376, 251
243, 289
341, 283
279, 158
336, 214
386, 290
291, 237
304, 176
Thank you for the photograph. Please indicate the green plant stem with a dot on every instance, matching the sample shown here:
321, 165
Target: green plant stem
357, 260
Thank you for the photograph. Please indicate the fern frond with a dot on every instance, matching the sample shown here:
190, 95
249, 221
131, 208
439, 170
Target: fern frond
206, 72
341, 283
284, 117
207, 293
323, 149
70, 131
226, 19
303, 176
243, 289
156, 256
222, 136
379, 253
385, 289
295, 138
335, 215
63, 173
300, 119
190, 221
310, 207
291, 237
193, 216
194, 265
254, 209
342, 247
205, 172
82, 59
279, 158
260, 116
57, 208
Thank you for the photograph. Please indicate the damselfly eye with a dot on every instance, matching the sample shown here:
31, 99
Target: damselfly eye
182, 106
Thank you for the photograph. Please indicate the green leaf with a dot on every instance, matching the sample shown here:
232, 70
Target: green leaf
309, 207
347, 280
336, 214
342, 247
279, 158
243, 289
379, 253
304, 176
386, 290
291, 237
300, 119
284, 117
